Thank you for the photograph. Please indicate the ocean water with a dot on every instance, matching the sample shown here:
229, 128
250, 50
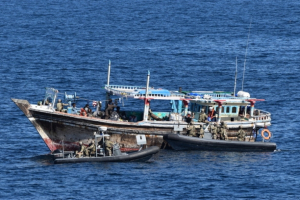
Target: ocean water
188, 44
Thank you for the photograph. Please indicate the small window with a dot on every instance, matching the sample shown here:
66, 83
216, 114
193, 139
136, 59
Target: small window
234, 110
227, 109
223, 109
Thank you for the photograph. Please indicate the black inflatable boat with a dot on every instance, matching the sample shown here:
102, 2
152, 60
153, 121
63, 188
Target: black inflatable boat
140, 156
181, 142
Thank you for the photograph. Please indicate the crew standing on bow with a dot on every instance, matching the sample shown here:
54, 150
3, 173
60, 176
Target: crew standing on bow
110, 107
60, 105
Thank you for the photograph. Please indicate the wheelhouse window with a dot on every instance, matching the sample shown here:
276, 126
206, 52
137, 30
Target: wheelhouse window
234, 110
227, 109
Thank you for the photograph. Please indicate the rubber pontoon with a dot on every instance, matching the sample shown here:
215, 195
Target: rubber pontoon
140, 156
181, 142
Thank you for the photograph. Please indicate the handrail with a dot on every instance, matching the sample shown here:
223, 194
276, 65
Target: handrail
264, 115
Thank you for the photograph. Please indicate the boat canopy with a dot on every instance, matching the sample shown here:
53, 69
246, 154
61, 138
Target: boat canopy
138, 92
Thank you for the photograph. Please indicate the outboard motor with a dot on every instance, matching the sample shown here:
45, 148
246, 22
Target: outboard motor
116, 150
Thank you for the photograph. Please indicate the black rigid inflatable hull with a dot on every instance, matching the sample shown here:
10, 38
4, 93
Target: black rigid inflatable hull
140, 156
180, 142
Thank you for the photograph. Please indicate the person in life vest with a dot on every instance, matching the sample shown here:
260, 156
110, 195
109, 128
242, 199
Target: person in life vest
83, 112
212, 114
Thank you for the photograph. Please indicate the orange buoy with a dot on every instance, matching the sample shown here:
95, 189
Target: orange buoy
263, 134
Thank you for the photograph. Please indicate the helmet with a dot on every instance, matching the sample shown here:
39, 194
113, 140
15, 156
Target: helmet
189, 112
59, 100
240, 126
80, 143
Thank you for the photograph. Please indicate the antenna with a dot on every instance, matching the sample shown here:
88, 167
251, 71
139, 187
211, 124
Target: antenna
235, 76
246, 56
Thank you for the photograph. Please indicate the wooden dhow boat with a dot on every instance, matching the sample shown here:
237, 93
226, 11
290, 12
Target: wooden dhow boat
72, 127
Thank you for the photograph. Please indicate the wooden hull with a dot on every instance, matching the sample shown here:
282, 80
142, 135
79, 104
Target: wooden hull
180, 142
56, 128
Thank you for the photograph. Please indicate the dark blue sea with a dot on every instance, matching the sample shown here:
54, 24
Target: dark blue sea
190, 44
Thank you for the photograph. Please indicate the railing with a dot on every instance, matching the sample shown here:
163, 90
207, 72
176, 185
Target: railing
130, 91
263, 116
123, 87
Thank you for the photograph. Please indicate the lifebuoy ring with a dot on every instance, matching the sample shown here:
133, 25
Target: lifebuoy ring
263, 134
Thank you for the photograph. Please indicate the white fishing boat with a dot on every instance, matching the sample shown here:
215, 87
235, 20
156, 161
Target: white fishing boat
72, 127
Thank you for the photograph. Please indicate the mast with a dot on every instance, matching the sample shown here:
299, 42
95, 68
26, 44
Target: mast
146, 107
246, 56
108, 77
108, 73
235, 76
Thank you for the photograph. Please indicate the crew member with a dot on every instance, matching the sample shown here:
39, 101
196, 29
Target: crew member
74, 109
87, 109
212, 114
213, 131
108, 145
80, 153
188, 118
60, 105
83, 112
202, 116
201, 133
91, 149
224, 131
110, 107
191, 130
241, 134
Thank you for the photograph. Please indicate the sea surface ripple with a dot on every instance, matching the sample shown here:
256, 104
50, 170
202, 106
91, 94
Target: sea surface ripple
188, 44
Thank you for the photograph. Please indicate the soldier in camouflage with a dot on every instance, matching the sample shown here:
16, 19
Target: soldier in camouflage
202, 116
241, 134
108, 145
224, 129
60, 105
91, 149
213, 131
201, 133
191, 130
80, 153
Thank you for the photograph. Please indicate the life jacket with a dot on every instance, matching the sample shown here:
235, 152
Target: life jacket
83, 112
